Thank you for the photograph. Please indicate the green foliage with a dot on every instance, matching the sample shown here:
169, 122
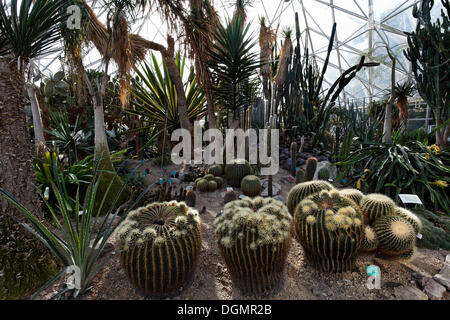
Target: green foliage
256, 234
159, 247
236, 171
75, 240
251, 186
303, 190
435, 231
330, 229
394, 169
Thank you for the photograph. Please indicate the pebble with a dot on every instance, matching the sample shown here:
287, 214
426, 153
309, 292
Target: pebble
434, 290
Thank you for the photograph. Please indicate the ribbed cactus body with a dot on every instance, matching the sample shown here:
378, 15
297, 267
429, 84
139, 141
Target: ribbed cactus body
324, 174
230, 196
300, 176
311, 167
375, 206
202, 185
352, 194
410, 217
370, 242
219, 181
395, 234
209, 177
254, 239
236, 171
212, 186
191, 198
303, 190
251, 186
160, 245
216, 170
329, 228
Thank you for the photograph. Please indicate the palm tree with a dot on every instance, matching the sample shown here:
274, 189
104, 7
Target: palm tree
25, 34
402, 92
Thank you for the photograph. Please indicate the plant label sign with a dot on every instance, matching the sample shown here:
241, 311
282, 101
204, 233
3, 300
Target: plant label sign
410, 198
229, 189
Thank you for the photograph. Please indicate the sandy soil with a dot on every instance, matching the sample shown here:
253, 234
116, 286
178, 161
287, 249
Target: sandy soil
212, 281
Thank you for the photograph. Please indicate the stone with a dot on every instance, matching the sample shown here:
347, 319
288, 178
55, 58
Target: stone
434, 290
276, 189
423, 282
300, 162
409, 293
443, 280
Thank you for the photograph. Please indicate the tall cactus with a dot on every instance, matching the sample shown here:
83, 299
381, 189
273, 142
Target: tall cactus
311, 167
254, 239
159, 247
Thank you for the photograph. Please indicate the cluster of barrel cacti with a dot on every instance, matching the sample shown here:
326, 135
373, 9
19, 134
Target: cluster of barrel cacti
159, 247
254, 237
236, 171
209, 183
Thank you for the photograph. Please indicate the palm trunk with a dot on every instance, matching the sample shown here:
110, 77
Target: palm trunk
39, 139
24, 261
387, 130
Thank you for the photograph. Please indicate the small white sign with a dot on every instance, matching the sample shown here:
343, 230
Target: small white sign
420, 236
229, 189
410, 198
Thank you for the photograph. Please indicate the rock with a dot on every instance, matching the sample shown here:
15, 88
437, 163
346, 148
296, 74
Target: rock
434, 290
175, 180
300, 162
409, 293
423, 281
443, 280
322, 158
276, 189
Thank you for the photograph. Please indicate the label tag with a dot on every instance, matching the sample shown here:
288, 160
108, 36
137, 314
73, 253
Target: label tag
229, 189
189, 188
420, 236
410, 198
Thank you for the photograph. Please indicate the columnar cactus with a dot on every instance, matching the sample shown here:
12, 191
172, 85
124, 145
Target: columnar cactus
294, 149
329, 227
370, 242
311, 167
215, 170
254, 239
324, 174
410, 217
303, 190
396, 236
375, 206
202, 185
352, 194
236, 171
251, 186
159, 247
191, 198
300, 176
230, 196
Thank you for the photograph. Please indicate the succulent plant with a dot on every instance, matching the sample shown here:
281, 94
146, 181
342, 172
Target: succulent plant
251, 186
303, 190
191, 198
216, 170
219, 181
396, 236
300, 176
370, 242
159, 247
324, 174
329, 227
236, 171
311, 167
209, 177
202, 185
254, 237
294, 149
212, 186
230, 196
410, 217
353, 194
375, 206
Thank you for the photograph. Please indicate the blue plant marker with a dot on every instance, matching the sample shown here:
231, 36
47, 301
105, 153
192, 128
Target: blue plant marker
164, 168
142, 161
144, 173
344, 181
174, 173
161, 180
169, 181
296, 169
372, 270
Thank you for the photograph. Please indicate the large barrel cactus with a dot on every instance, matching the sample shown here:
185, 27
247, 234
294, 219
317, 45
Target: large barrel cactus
303, 190
254, 239
329, 228
251, 186
375, 206
159, 247
236, 171
410, 217
353, 194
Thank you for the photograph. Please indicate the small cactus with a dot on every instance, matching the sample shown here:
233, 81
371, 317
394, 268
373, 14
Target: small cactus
202, 185
212, 186
230, 196
329, 228
159, 247
370, 242
294, 149
216, 170
191, 198
410, 217
251, 186
236, 171
209, 177
300, 176
254, 238
311, 167
353, 194
324, 174
219, 181
396, 236
303, 190
375, 206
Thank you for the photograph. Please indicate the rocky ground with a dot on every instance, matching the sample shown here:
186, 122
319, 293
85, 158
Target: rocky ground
413, 280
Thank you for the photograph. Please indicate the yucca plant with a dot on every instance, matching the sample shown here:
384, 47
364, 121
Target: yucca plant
402, 92
157, 99
77, 241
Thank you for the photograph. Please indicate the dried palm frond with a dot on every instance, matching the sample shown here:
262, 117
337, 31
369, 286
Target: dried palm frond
402, 92
285, 53
267, 39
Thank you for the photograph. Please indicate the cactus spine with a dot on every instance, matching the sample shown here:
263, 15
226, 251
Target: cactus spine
303, 190
329, 228
254, 239
311, 167
251, 186
294, 149
236, 171
160, 245
410, 217
370, 242
375, 206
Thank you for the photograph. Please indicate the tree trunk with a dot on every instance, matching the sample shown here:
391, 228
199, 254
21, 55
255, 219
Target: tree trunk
39, 139
24, 261
387, 130
442, 134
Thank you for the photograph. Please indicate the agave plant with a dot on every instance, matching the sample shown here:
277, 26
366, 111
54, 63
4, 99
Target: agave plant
156, 97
